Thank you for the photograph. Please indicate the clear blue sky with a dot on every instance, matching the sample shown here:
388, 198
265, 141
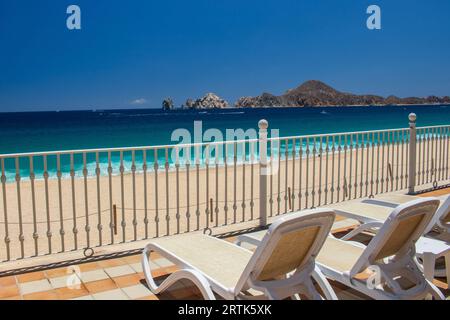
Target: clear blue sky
145, 49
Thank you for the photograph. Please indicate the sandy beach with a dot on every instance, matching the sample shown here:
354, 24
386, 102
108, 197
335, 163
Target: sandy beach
182, 201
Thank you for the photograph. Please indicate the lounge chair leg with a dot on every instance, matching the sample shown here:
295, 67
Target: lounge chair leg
197, 278
435, 292
429, 261
447, 268
324, 284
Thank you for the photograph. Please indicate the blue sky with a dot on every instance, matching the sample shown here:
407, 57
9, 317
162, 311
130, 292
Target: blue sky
145, 49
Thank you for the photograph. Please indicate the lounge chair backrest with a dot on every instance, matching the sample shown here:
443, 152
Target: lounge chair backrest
442, 216
289, 244
397, 237
446, 218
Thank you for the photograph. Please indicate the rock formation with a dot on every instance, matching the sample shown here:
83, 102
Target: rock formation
317, 93
189, 104
210, 101
167, 104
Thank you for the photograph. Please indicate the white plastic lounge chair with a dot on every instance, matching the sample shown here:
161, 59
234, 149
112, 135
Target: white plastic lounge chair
282, 266
428, 250
441, 219
389, 256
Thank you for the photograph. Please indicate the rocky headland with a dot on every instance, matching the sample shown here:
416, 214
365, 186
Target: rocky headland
209, 101
316, 93
312, 93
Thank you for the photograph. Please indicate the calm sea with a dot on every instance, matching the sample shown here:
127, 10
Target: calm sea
49, 131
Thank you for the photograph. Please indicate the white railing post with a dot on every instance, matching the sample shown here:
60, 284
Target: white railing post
412, 153
263, 125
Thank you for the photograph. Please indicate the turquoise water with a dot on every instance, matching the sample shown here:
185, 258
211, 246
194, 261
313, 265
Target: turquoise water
50, 131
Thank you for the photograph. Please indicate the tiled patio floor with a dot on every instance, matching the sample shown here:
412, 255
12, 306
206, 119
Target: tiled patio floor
115, 279
118, 279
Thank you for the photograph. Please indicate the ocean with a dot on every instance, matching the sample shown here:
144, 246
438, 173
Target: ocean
72, 130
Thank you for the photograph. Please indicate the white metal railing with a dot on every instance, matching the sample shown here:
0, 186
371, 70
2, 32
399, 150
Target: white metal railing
80, 199
338, 167
432, 154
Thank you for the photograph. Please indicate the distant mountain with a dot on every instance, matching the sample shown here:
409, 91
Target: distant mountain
317, 93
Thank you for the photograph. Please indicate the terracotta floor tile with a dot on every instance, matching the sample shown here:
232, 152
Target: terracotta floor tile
67, 293
138, 266
88, 297
58, 272
89, 266
10, 291
65, 281
155, 255
441, 283
172, 269
13, 298
141, 275
47, 295
35, 286
93, 275
128, 280
119, 271
33, 276
115, 294
151, 297
111, 263
132, 259
100, 286
137, 291
7, 281
162, 262
435, 193
159, 272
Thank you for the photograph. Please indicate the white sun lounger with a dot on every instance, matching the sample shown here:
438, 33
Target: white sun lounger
389, 256
441, 219
373, 215
282, 266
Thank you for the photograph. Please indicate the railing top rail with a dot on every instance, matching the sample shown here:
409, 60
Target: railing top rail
125, 149
434, 127
322, 135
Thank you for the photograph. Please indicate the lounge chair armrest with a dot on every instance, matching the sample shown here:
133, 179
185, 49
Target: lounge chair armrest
247, 239
362, 228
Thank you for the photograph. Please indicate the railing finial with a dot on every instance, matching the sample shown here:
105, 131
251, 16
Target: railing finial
263, 124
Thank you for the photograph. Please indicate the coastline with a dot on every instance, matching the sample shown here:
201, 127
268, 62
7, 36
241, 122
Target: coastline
310, 106
121, 109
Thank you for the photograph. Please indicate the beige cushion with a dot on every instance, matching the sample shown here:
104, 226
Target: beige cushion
373, 212
339, 255
220, 260
396, 198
